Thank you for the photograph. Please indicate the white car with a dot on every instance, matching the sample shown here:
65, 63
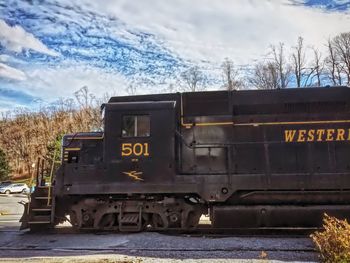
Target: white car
14, 188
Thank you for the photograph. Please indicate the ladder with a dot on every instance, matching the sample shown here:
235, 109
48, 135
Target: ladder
40, 209
40, 212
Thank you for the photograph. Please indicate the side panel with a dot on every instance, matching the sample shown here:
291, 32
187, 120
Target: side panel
145, 159
283, 139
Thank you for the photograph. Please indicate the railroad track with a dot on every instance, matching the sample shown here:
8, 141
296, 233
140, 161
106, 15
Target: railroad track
31, 248
204, 230
222, 232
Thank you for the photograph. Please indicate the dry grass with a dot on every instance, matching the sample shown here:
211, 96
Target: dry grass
333, 242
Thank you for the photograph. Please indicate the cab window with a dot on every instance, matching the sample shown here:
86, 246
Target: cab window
136, 126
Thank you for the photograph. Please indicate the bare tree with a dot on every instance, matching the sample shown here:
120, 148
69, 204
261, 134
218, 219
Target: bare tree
318, 67
299, 62
131, 89
334, 68
193, 78
83, 97
281, 64
265, 76
27, 135
230, 76
171, 87
341, 45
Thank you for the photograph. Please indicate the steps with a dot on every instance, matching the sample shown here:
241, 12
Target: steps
40, 208
130, 222
40, 219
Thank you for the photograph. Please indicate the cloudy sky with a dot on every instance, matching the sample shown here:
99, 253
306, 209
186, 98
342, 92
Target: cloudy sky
49, 49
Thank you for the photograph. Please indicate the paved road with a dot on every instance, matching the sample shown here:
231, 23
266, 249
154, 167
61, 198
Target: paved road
11, 211
64, 246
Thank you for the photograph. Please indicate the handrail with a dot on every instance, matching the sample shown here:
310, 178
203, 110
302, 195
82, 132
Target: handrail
37, 172
50, 178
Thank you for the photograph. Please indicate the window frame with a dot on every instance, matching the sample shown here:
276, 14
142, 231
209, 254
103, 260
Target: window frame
135, 115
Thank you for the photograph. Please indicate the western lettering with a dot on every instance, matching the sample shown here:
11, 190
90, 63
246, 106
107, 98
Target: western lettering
320, 133
301, 137
311, 136
317, 135
330, 134
289, 135
340, 135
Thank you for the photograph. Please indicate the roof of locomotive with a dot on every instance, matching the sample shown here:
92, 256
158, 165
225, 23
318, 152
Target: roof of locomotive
251, 96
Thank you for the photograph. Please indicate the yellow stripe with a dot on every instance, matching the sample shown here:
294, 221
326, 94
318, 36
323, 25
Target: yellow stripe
188, 125
85, 138
292, 122
213, 123
72, 149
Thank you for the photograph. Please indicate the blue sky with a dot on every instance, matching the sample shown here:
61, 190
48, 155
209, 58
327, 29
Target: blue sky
49, 49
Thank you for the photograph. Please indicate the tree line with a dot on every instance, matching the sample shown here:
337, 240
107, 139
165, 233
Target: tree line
28, 135
299, 66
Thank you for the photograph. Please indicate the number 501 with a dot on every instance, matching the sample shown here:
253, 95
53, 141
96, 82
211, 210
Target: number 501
136, 149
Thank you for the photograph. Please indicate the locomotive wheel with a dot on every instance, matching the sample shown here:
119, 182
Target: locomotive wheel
158, 223
193, 220
87, 219
175, 219
107, 221
146, 220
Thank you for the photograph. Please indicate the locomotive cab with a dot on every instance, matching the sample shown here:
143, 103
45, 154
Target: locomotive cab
139, 141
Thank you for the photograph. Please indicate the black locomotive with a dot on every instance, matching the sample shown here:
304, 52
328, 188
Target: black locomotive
255, 158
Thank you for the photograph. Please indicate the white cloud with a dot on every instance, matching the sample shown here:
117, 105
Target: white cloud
200, 31
11, 73
17, 39
341, 1
212, 30
53, 83
7, 106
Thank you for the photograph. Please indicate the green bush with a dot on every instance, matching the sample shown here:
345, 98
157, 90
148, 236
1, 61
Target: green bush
333, 242
4, 167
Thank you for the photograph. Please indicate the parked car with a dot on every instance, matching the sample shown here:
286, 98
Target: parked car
14, 188
5, 183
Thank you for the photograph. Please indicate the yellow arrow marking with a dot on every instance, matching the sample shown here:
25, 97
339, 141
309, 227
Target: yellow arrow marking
134, 175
